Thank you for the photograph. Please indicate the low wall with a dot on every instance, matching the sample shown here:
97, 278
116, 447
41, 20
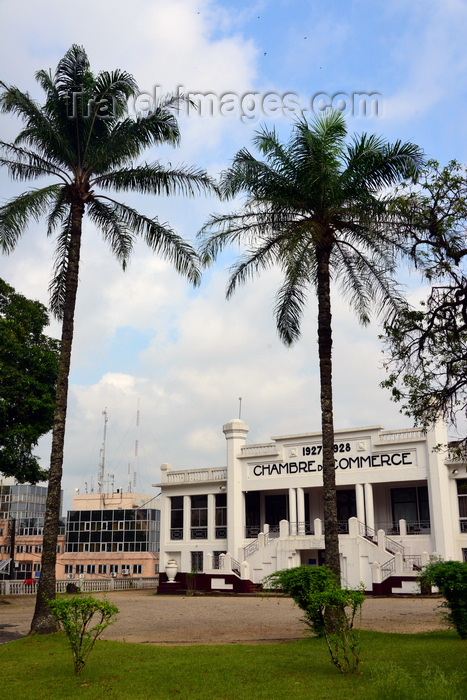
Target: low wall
84, 585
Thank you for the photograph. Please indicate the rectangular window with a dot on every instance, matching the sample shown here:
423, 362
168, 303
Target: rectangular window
68, 568
36, 567
462, 494
114, 568
137, 568
28, 548
411, 504
80, 568
91, 569
38, 549
19, 549
216, 559
102, 569
221, 516
176, 518
197, 562
199, 517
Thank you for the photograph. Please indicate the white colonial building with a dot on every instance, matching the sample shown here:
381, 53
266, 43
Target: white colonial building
399, 501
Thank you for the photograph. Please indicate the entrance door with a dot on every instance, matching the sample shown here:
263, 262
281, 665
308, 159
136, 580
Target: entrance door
346, 508
276, 508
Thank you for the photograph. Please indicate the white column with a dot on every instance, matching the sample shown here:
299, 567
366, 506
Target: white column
235, 432
292, 512
360, 499
186, 518
211, 517
442, 495
369, 507
301, 510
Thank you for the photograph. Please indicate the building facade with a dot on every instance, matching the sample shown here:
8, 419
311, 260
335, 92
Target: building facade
105, 535
22, 509
115, 534
399, 501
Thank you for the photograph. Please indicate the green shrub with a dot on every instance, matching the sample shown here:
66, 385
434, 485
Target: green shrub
303, 582
329, 609
75, 615
450, 578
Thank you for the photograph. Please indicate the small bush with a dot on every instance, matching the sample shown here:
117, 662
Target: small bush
75, 615
302, 583
450, 578
329, 609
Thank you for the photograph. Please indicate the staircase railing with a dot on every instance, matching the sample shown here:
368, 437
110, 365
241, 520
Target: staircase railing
411, 562
370, 534
253, 547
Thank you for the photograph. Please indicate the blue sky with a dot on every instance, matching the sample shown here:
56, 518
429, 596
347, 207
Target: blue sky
144, 336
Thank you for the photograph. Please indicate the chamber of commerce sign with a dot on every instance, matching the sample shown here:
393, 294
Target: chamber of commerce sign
393, 459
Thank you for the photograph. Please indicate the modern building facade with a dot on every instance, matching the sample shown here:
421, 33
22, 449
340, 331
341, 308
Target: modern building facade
105, 535
399, 501
22, 509
114, 534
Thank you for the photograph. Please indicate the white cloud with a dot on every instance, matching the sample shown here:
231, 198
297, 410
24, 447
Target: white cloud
145, 335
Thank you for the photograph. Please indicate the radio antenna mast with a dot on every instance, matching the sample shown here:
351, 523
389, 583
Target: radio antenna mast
100, 475
136, 447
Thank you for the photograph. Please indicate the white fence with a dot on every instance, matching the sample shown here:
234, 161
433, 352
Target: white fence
84, 585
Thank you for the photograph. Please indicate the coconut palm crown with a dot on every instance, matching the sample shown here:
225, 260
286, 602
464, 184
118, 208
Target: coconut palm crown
84, 142
314, 208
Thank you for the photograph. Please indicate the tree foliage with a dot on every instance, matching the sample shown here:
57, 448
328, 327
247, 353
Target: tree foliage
427, 345
28, 373
450, 578
315, 209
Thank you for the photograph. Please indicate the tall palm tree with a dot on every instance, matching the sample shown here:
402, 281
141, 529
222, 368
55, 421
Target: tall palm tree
83, 139
314, 208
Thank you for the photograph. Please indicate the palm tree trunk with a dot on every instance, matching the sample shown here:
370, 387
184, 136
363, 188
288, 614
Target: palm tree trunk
43, 621
331, 533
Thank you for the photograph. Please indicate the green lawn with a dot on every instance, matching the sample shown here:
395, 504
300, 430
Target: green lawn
430, 666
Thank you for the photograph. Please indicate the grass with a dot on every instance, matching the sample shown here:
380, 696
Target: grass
429, 666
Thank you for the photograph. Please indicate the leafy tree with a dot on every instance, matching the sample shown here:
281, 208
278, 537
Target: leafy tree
28, 373
426, 346
450, 578
83, 140
314, 208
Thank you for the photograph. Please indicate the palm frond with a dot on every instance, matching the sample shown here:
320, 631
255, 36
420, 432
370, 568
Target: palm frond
251, 262
28, 164
114, 231
161, 239
57, 286
127, 138
153, 178
16, 214
290, 303
58, 214
366, 280
72, 73
43, 129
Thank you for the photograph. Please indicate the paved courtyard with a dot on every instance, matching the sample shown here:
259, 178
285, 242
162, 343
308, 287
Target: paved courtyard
147, 618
